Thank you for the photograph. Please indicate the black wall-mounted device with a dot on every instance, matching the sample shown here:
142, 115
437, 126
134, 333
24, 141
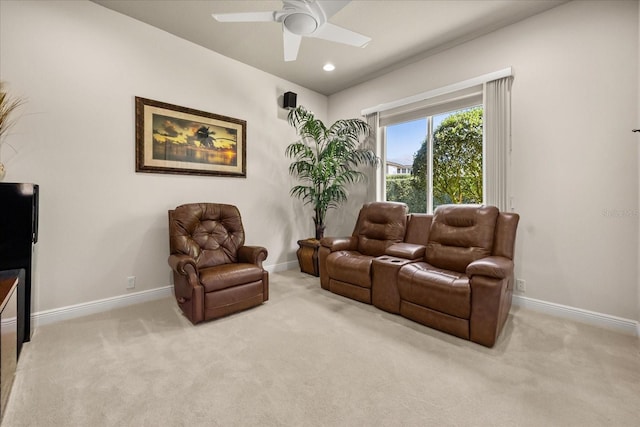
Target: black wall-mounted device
289, 100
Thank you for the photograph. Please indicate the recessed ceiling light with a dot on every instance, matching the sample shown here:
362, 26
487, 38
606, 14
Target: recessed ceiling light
329, 67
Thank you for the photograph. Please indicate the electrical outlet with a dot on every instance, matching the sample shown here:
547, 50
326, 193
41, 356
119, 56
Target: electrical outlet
131, 282
521, 286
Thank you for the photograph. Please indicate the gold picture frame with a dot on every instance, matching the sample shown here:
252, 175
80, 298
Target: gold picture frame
177, 140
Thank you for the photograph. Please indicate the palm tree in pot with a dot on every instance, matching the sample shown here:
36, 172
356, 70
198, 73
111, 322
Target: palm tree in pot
325, 161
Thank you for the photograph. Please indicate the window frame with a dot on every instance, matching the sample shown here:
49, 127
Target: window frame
496, 102
472, 102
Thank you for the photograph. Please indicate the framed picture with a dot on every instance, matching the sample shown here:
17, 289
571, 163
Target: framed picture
179, 140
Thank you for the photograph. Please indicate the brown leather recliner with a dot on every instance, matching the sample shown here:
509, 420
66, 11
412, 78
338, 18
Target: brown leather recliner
214, 273
464, 284
345, 262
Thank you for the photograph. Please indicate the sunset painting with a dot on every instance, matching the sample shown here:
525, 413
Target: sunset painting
180, 140
190, 141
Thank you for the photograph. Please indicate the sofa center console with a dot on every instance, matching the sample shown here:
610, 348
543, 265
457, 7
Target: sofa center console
384, 292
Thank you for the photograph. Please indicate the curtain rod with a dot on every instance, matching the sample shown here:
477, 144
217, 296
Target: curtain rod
506, 72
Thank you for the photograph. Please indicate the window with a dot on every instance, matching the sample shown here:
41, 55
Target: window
436, 159
486, 100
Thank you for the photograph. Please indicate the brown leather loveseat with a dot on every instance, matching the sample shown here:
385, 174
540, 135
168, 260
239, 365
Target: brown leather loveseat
453, 271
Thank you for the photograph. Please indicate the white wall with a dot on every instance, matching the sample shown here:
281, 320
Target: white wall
80, 66
575, 159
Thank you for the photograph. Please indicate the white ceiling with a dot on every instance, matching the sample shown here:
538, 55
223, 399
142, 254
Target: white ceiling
402, 32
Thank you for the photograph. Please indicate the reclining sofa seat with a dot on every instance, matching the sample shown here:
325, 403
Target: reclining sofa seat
215, 273
464, 284
345, 262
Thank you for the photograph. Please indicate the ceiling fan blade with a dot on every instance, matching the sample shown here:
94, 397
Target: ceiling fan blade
291, 45
338, 34
331, 7
245, 17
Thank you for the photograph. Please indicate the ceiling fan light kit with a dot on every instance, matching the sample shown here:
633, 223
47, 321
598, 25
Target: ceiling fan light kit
302, 18
300, 24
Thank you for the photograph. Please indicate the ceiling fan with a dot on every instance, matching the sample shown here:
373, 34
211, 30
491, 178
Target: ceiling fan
302, 18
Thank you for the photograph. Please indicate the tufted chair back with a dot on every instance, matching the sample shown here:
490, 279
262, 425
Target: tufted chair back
210, 233
461, 234
380, 225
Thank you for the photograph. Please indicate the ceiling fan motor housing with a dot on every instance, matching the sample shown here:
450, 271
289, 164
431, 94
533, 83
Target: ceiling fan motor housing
300, 23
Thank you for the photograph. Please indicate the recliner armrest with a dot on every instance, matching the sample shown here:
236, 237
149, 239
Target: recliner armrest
406, 251
178, 262
493, 266
340, 243
252, 254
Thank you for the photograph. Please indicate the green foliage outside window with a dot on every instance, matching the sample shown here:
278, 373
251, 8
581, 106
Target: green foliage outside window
401, 188
457, 165
457, 160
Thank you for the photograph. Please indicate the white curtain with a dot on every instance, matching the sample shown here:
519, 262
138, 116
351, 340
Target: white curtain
497, 128
372, 121
375, 186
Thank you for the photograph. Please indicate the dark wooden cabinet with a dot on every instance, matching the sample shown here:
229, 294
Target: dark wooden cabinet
18, 235
9, 281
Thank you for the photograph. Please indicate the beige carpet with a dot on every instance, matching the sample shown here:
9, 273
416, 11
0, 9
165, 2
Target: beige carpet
312, 358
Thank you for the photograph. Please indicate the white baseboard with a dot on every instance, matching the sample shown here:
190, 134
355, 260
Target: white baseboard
619, 324
8, 323
289, 265
92, 307
627, 326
